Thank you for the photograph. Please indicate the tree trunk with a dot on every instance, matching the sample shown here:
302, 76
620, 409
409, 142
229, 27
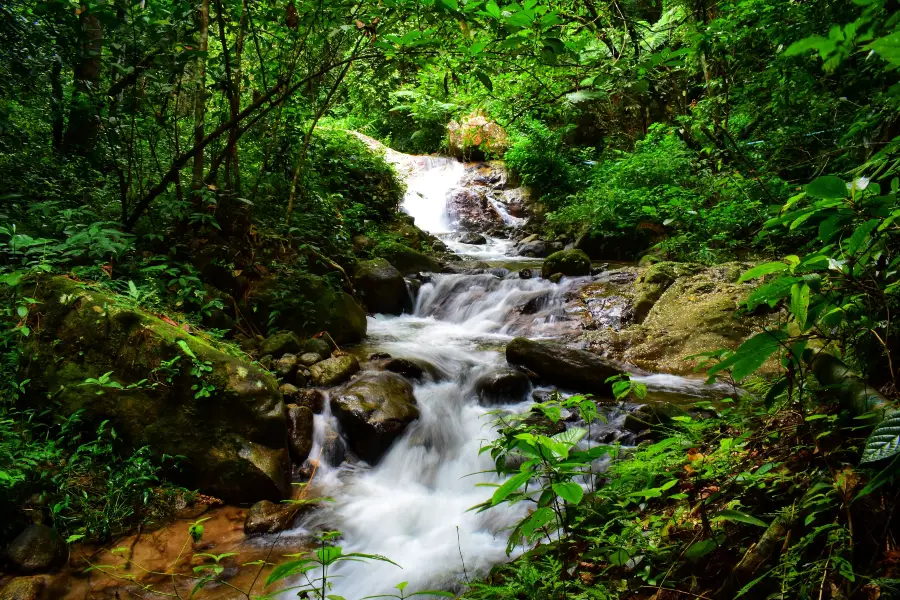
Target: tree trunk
83, 119
200, 97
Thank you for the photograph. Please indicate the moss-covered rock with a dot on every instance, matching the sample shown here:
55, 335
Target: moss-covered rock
283, 342
319, 346
654, 282
408, 261
571, 263
374, 410
381, 287
232, 434
25, 588
335, 370
305, 304
37, 550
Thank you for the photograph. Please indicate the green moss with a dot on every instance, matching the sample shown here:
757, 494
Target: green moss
571, 263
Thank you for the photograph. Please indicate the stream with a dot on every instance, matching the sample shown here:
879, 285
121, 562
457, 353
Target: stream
413, 506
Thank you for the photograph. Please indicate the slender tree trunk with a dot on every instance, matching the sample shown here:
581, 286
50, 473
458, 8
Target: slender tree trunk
83, 119
200, 97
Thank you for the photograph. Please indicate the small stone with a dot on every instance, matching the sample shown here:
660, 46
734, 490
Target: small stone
284, 366
301, 377
504, 386
288, 390
319, 346
37, 549
268, 517
308, 359
472, 238
555, 278
525, 274
335, 370
405, 367
379, 356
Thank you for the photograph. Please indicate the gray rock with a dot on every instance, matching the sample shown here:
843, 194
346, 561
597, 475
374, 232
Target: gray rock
563, 366
300, 431
405, 367
503, 387
285, 366
473, 238
317, 346
308, 359
572, 263
37, 549
286, 342
312, 399
381, 287
373, 411
268, 517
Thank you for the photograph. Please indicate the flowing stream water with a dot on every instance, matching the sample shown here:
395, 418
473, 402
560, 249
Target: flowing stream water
413, 506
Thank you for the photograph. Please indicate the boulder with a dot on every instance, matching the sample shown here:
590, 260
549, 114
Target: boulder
268, 517
571, 263
308, 359
471, 209
37, 549
285, 342
563, 366
305, 304
555, 278
373, 411
300, 431
318, 346
288, 390
333, 371
381, 287
285, 366
517, 201
232, 437
405, 367
653, 283
312, 399
506, 386
334, 450
473, 238
533, 249
409, 261
362, 243
25, 588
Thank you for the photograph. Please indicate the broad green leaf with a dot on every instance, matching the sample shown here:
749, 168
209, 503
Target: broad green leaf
571, 436
860, 235
187, 349
805, 45
485, 80
884, 441
537, 520
492, 9
771, 293
700, 549
619, 558
287, 569
800, 303
751, 355
827, 187
737, 516
510, 486
888, 47
570, 492
763, 270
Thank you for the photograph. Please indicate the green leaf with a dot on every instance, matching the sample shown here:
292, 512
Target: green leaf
888, 47
187, 349
493, 10
737, 516
800, 303
884, 441
290, 568
751, 355
827, 187
619, 558
805, 45
860, 235
763, 270
485, 80
570, 436
570, 492
700, 549
537, 520
510, 486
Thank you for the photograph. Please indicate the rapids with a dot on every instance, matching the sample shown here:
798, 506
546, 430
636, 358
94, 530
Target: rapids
413, 506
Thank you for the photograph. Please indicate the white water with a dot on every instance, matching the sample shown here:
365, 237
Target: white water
413, 506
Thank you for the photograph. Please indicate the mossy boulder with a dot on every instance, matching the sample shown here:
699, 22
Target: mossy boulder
373, 411
333, 371
408, 261
381, 287
25, 588
281, 343
233, 437
654, 282
571, 263
305, 304
319, 346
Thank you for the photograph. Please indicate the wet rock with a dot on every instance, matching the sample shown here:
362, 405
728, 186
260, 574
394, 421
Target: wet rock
535, 304
285, 366
286, 342
409, 261
543, 424
555, 278
308, 359
288, 390
379, 356
405, 367
471, 209
95, 333
334, 450
301, 377
333, 371
381, 287
473, 238
506, 386
25, 588
305, 304
268, 517
563, 366
312, 399
317, 346
373, 411
653, 283
413, 286
525, 274
572, 263
300, 431
37, 549
535, 249
362, 243
517, 201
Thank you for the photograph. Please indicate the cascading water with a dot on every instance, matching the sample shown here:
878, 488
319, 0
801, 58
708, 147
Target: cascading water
413, 505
